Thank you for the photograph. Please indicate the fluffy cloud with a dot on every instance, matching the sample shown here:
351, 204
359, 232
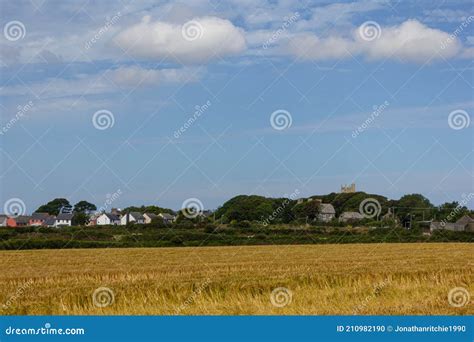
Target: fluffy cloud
410, 41
196, 41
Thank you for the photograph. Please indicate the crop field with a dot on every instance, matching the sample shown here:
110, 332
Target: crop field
391, 279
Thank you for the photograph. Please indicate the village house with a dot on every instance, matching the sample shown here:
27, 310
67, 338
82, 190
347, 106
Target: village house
133, 217
93, 219
167, 218
326, 212
63, 220
465, 223
38, 219
149, 217
50, 221
107, 219
3, 220
19, 221
350, 216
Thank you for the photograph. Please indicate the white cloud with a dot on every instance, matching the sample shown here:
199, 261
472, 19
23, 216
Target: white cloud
135, 76
107, 82
207, 38
410, 41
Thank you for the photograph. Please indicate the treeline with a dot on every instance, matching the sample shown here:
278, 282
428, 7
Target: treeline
414, 207
209, 235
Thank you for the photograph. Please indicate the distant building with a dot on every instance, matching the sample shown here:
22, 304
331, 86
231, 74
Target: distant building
167, 218
38, 219
19, 221
63, 220
133, 217
465, 223
346, 189
107, 219
149, 217
3, 220
349, 216
326, 212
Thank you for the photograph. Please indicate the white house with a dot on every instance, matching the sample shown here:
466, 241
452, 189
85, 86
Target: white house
63, 220
134, 217
107, 219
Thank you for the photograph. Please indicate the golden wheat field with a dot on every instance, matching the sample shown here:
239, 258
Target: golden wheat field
307, 279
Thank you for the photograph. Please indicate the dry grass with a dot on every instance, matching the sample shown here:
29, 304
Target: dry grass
393, 279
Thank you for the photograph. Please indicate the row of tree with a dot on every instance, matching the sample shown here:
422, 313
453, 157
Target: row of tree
412, 207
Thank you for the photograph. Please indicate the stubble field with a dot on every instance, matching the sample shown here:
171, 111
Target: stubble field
345, 279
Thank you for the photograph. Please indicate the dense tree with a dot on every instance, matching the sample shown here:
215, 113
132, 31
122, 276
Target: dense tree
53, 207
250, 208
84, 207
451, 212
80, 219
308, 210
149, 209
414, 207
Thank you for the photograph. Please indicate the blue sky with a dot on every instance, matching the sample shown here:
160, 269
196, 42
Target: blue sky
379, 93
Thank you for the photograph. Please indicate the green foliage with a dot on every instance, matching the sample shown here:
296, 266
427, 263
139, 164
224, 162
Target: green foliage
84, 207
208, 235
149, 209
80, 219
307, 210
451, 212
53, 207
256, 208
415, 206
